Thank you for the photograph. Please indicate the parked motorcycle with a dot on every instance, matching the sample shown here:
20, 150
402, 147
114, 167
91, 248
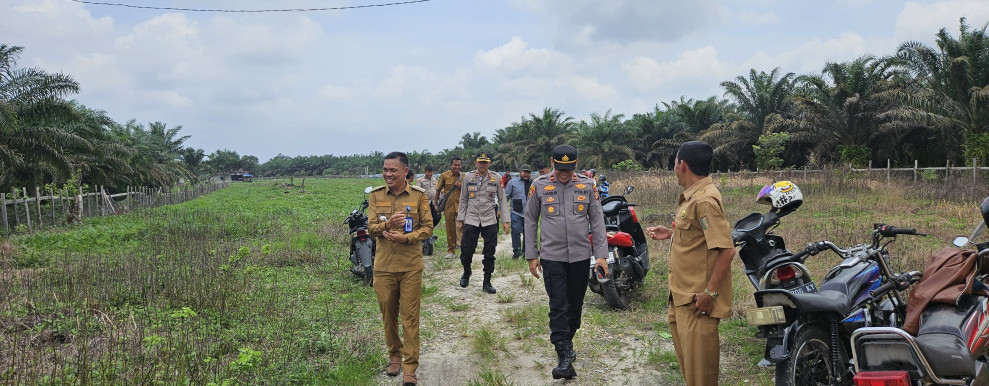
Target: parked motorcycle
808, 334
628, 254
604, 187
362, 245
768, 264
951, 346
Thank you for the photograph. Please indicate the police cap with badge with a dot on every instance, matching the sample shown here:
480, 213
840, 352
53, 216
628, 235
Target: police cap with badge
564, 157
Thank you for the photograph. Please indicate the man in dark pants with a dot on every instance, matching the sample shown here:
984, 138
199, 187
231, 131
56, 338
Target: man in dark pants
476, 216
517, 190
565, 203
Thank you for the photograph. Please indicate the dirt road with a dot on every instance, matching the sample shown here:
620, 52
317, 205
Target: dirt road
470, 337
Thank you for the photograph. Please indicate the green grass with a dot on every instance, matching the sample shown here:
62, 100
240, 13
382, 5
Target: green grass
246, 285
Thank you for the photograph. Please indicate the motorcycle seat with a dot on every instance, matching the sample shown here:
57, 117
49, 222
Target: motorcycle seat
942, 341
821, 301
947, 354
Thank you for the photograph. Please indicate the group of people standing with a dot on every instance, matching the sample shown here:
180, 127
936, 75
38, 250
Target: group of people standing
553, 214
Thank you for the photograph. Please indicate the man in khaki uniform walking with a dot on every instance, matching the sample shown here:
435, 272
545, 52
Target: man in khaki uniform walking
477, 217
700, 266
563, 203
398, 261
449, 186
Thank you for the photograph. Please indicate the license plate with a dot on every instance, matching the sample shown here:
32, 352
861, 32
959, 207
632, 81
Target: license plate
763, 316
807, 288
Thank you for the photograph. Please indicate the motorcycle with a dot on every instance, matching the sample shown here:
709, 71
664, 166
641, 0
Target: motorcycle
603, 188
808, 334
951, 346
628, 254
362, 245
767, 262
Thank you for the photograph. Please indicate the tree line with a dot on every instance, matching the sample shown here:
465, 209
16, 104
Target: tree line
923, 103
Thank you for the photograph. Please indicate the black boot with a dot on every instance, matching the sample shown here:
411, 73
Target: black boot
465, 278
487, 287
564, 350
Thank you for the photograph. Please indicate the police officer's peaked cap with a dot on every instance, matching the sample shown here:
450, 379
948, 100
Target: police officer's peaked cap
483, 157
564, 157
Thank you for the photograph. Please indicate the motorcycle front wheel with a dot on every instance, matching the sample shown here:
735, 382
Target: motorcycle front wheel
809, 362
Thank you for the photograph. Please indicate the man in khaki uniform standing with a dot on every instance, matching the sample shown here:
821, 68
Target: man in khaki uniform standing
564, 203
428, 183
398, 261
477, 217
449, 186
700, 266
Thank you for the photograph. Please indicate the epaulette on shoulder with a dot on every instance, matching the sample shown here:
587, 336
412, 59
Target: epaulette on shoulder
378, 188
541, 177
419, 188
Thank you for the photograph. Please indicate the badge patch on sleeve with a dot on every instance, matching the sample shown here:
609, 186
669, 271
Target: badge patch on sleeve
532, 189
704, 222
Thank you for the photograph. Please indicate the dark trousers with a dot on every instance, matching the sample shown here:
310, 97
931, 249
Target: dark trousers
469, 245
566, 284
518, 226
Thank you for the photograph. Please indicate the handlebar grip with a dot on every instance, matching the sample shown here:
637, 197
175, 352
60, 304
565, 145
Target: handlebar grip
886, 287
887, 231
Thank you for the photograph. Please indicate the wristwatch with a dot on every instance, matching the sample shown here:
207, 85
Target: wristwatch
713, 295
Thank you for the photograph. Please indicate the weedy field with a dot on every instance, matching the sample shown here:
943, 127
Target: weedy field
249, 285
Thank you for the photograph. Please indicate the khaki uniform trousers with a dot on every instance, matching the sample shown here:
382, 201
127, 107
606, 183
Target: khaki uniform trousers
399, 295
697, 345
453, 236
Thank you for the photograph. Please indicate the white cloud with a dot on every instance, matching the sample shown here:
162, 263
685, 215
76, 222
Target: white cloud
696, 66
752, 18
588, 88
810, 56
918, 21
514, 58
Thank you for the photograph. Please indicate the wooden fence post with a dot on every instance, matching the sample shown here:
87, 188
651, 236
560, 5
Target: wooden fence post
3, 212
52, 201
79, 209
27, 211
915, 171
888, 166
974, 161
37, 206
868, 174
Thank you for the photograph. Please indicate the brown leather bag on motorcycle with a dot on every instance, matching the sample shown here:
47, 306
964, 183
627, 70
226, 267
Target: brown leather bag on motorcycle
948, 275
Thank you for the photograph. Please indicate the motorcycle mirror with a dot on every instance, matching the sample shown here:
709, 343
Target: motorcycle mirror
628, 190
960, 241
368, 189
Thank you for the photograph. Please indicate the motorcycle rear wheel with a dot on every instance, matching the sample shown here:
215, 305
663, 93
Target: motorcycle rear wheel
616, 298
809, 362
369, 275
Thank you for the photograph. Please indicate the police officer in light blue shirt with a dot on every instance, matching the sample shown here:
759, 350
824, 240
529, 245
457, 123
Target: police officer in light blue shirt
516, 191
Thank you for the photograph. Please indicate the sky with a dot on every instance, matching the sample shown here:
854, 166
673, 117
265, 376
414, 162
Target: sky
419, 76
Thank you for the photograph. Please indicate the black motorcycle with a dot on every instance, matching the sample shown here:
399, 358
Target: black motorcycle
628, 254
768, 264
362, 245
951, 346
808, 334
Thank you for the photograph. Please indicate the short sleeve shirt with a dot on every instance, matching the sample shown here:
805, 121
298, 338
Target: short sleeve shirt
391, 256
446, 183
700, 229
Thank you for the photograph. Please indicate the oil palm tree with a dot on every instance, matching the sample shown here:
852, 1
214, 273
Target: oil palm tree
605, 141
952, 93
757, 100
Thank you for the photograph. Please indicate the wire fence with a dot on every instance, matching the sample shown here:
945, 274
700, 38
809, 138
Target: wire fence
22, 212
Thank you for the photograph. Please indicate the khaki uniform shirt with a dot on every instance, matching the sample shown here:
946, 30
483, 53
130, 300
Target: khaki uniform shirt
446, 183
429, 185
567, 212
391, 256
700, 229
478, 198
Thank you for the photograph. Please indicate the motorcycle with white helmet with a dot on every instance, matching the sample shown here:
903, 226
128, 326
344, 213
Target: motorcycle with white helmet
767, 262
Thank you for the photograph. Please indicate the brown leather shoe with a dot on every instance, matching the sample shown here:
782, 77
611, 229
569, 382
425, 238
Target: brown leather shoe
394, 366
409, 379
